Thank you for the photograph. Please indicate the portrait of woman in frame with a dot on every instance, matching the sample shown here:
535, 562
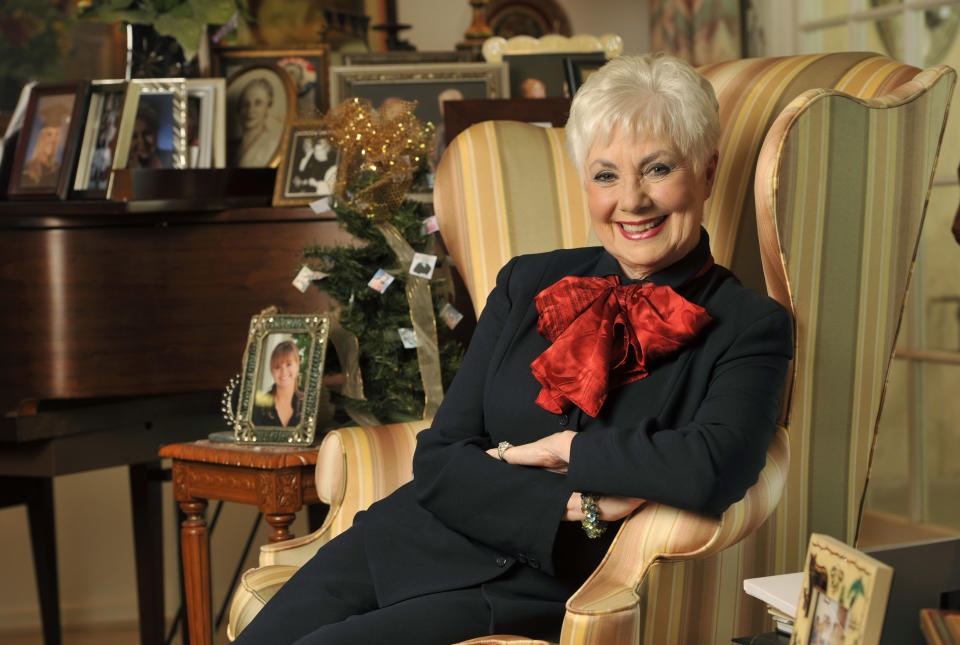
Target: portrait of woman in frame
261, 101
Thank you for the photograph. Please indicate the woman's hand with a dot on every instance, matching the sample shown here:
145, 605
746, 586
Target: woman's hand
551, 452
611, 507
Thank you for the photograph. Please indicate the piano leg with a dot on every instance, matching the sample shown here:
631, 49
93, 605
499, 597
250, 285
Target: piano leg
37, 494
145, 497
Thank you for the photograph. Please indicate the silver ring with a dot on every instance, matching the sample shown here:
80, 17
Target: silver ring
502, 448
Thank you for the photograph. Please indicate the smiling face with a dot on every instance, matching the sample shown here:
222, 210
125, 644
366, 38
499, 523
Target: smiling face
143, 143
645, 201
284, 369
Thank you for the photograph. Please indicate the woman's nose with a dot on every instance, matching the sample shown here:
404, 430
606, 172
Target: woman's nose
634, 197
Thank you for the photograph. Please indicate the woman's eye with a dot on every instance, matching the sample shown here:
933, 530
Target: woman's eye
604, 176
657, 170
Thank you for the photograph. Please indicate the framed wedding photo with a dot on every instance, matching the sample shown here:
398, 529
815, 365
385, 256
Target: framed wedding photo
261, 103
308, 168
843, 598
307, 67
45, 155
280, 398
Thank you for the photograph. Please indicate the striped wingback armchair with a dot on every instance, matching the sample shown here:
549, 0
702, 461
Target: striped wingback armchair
506, 188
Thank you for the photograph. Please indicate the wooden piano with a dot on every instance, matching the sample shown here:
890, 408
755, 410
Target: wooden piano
122, 323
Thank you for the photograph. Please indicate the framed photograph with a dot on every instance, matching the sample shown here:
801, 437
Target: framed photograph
46, 150
261, 103
401, 57
307, 68
98, 145
153, 130
206, 123
542, 75
579, 67
279, 397
844, 595
429, 84
308, 168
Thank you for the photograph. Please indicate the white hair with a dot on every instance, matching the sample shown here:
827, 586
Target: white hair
652, 95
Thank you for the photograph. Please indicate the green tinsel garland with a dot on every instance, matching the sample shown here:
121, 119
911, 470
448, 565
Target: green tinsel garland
391, 373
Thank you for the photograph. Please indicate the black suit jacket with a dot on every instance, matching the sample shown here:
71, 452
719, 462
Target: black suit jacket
692, 434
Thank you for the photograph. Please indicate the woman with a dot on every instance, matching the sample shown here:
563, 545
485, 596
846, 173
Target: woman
282, 404
259, 131
597, 378
144, 152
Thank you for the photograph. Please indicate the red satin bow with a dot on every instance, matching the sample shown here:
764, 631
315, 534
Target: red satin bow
605, 335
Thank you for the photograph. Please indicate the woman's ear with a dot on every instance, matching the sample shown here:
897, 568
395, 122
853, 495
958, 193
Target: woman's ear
711, 172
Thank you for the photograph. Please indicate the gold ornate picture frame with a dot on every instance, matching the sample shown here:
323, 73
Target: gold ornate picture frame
423, 83
280, 387
844, 595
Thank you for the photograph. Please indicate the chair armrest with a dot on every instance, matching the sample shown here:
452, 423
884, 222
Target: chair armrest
657, 532
356, 466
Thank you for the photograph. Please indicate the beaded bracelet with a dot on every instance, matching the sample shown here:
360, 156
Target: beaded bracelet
592, 525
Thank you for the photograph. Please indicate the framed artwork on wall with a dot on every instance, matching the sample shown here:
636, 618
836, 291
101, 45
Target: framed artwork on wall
46, 150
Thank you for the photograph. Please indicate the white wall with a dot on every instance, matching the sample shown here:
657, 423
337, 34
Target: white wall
438, 25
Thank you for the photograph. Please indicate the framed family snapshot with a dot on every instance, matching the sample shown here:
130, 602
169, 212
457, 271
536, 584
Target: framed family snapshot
428, 83
261, 103
843, 598
543, 75
306, 66
279, 398
308, 168
206, 123
153, 131
46, 150
98, 145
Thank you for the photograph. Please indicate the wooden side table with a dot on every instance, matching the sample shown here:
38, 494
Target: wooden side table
278, 480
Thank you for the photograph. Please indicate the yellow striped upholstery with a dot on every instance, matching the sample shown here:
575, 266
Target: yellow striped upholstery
842, 187
355, 467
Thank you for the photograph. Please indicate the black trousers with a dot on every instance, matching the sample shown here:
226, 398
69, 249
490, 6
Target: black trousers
331, 601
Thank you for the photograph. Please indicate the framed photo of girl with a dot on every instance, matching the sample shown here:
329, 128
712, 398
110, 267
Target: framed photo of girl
45, 155
279, 399
308, 168
261, 102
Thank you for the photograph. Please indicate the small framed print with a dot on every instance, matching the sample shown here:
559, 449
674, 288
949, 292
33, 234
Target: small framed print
206, 123
261, 103
99, 143
843, 598
153, 130
308, 168
580, 66
46, 150
279, 399
306, 66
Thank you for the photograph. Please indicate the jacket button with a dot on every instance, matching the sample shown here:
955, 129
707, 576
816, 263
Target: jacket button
501, 561
564, 419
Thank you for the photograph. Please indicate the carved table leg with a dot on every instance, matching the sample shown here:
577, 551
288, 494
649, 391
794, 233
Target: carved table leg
281, 525
195, 543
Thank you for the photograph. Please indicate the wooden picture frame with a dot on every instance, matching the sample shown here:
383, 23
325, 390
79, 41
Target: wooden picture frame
275, 342
153, 130
423, 83
844, 594
258, 143
579, 66
308, 168
206, 123
308, 68
98, 145
45, 155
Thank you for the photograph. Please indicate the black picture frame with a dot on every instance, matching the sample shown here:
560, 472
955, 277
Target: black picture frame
579, 66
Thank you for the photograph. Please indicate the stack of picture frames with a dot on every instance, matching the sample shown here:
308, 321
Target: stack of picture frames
74, 135
308, 163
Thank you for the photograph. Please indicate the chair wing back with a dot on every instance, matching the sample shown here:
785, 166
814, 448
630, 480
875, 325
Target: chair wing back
752, 92
504, 188
842, 186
